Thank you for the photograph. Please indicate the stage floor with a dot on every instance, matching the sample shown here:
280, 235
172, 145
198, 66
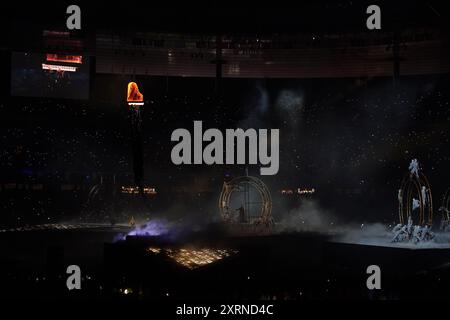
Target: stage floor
286, 266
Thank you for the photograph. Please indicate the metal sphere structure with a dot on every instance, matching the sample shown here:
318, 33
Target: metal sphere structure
415, 185
260, 216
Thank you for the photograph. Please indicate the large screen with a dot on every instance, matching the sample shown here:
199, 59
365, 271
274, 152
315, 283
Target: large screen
49, 75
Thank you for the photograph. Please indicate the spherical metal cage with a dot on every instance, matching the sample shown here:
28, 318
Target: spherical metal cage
241, 184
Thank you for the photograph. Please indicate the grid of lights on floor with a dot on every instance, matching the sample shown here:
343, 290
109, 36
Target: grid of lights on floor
194, 258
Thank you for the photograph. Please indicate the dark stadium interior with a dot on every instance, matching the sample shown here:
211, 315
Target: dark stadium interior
353, 106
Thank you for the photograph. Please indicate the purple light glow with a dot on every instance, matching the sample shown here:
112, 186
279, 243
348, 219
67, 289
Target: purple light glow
152, 228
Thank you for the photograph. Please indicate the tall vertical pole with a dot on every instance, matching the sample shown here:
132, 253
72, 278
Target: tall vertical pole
135, 101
